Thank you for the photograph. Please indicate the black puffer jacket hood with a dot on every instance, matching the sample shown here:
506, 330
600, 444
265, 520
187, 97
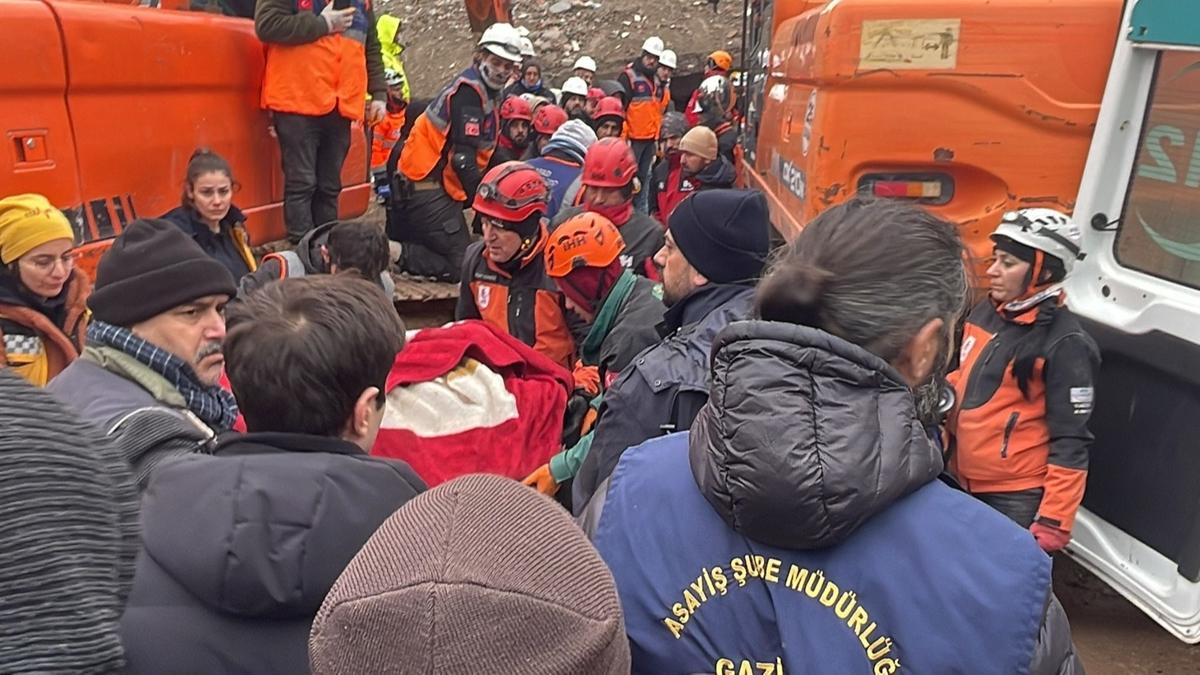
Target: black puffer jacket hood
805, 436
258, 533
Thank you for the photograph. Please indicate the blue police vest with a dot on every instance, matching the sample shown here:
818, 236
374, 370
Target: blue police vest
558, 176
937, 583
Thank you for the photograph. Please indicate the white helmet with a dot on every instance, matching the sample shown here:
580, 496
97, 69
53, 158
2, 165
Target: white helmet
667, 59
527, 48
502, 40
585, 63
576, 86
654, 46
715, 95
1047, 230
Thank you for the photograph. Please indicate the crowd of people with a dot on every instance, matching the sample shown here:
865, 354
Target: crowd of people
833, 456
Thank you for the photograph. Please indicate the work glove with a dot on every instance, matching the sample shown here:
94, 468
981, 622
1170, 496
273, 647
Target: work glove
587, 378
376, 112
542, 481
338, 20
1051, 539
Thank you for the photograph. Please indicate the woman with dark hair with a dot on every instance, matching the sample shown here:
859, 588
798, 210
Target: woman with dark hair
801, 522
209, 216
1023, 388
530, 83
43, 311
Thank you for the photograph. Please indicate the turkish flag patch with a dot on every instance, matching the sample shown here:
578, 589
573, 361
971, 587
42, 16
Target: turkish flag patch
471, 128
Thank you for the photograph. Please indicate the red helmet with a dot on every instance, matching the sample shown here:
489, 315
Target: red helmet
512, 192
548, 119
609, 163
610, 106
595, 94
516, 108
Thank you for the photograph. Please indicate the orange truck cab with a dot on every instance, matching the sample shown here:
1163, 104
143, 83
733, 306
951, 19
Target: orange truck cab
105, 103
969, 107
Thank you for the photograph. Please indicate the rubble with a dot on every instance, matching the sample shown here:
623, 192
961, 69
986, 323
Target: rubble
439, 42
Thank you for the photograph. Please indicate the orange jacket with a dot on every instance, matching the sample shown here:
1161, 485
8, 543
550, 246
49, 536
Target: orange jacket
316, 77
384, 138
1001, 441
43, 349
644, 114
426, 148
523, 302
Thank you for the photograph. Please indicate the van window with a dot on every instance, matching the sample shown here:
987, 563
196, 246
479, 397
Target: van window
1160, 227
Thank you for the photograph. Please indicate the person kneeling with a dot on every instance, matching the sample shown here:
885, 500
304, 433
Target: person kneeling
239, 550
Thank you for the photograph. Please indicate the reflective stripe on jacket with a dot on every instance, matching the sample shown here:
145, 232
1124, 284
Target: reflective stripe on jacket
425, 149
1005, 442
317, 77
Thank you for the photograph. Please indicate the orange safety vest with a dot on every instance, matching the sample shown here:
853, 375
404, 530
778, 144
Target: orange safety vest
426, 149
644, 115
664, 101
317, 77
384, 138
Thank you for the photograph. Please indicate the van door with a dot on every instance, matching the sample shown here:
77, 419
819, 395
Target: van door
39, 150
1138, 292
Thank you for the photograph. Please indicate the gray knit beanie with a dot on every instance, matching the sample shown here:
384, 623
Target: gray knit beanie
68, 537
479, 575
574, 137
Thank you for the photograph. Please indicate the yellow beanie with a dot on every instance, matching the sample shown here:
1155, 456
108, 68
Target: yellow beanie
28, 221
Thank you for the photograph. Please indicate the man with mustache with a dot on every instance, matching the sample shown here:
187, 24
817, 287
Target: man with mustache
149, 374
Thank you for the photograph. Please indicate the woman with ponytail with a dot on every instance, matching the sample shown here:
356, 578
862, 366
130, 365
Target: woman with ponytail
208, 215
1023, 389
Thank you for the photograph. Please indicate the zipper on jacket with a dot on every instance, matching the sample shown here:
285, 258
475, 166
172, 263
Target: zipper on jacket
1008, 429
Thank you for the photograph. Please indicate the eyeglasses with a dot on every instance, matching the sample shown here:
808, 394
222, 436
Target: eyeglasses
46, 263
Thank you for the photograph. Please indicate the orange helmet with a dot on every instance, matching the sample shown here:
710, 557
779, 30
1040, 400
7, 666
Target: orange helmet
720, 60
610, 106
511, 192
516, 108
548, 118
587, 240
609, 163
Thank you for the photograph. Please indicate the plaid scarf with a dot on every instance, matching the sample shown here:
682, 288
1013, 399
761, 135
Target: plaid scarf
214, 405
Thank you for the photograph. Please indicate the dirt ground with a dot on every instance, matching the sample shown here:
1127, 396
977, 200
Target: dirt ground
1112, 636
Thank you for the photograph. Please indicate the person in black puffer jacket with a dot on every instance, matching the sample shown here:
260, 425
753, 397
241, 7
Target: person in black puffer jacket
805, 506
240, 548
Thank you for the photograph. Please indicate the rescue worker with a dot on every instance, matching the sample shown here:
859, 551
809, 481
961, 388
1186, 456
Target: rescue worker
574, 99
639, 79
443, 158
149, 373
618, 309
717, 244
609, 121
504, 278
208, 215
695, 166
562, 161
609, 182
666, 70
719, 63
716, 109
585, 69
390, 129
43, 315
546, 120
530, 82
321, 64
593, 102
808, 489
387, 28
350, 246
308, 357
516, 120
1024, 387
670, 132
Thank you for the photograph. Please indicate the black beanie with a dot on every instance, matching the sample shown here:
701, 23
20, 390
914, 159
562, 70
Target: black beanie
154, 266
1015, 248
724, 234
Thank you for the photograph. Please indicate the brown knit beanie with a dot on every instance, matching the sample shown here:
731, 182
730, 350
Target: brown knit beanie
479, 575
700, 141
